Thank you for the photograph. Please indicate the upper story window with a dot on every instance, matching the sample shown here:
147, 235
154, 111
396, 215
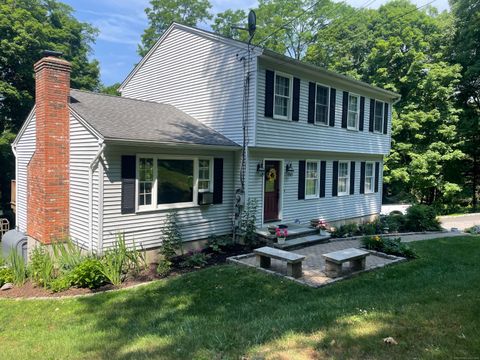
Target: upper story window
282, 100
378, 117
163, 180
343, 177
369, 177
322, 100
353, 111
312, 179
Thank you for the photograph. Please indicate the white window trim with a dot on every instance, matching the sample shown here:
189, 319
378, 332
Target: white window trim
347, 191
290, 96
317, 189
210, 188
375, 115
328, 105
372, 190
358, 111
156, 157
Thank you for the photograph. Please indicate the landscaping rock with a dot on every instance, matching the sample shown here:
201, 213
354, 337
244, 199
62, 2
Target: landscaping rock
6, 286
390, 341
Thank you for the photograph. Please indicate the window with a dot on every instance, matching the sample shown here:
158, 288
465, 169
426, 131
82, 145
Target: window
145, 181
204, 175
167, 180
321, 104
353, 111
312, 178
378, 117
343, 177
282, 97
369, 177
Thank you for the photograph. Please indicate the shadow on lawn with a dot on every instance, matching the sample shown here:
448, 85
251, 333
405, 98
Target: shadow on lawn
227, 311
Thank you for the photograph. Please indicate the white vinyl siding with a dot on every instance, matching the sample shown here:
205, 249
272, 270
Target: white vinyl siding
25, 150
300, 135
343, 178
83, 149
312, 179
332, 208
353, 113
200, 76
196, 222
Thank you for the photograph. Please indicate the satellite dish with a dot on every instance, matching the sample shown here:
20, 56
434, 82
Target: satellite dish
252, 23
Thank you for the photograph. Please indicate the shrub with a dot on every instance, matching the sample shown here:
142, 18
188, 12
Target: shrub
6, 276
87, 274
373, 242
216, 243
67, 255
247, 224
196, 259
421, 218
18, 267
475, 230
346, 230
114, 261
60, 283
392, 246
171, 237
164, 267
395, 221
40, 268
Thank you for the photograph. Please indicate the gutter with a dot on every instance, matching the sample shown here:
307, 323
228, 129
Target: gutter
93, 163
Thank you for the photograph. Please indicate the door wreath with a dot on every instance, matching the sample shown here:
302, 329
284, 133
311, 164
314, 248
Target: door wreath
272, 174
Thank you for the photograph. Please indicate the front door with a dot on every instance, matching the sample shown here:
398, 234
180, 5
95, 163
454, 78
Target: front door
272, 191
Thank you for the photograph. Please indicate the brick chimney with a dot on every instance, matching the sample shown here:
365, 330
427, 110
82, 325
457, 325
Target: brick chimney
48, 170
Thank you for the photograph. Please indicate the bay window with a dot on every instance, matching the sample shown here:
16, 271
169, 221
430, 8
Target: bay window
343, 177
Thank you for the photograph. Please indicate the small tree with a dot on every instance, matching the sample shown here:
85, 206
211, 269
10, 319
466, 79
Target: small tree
172, 237
247, 225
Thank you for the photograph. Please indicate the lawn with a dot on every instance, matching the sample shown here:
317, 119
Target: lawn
431, 306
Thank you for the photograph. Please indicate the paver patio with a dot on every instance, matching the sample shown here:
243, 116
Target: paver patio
314, 263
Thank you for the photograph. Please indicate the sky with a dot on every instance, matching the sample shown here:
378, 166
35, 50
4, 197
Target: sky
122, 22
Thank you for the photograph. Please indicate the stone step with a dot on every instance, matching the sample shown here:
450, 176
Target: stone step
294, 231
302, 241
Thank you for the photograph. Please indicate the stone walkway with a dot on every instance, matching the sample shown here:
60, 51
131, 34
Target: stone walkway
314, 263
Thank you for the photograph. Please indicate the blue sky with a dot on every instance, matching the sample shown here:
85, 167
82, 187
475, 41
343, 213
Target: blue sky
121, 24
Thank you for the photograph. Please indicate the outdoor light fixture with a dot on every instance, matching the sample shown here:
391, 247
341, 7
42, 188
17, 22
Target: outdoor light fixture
289, 169
260, 169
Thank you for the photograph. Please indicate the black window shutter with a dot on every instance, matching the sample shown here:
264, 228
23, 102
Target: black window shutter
385, 119
128, 174
362, 177
377, 175
301, 180
352, 177
269, 81
335, 179
372, 114
333, 104
311, 102
344, 109
362, 113
296, 99
323, 174
217, 180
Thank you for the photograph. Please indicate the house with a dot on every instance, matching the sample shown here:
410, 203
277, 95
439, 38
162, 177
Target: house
203, 123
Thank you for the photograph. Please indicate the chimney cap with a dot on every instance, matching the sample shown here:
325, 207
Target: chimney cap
53, 53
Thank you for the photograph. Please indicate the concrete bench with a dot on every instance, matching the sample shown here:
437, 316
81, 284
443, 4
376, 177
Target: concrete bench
334, 261
294, 261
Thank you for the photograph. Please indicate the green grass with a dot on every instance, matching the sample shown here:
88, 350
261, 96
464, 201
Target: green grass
431, 306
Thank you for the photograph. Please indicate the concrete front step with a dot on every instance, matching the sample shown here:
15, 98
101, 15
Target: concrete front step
294, 231
302, 241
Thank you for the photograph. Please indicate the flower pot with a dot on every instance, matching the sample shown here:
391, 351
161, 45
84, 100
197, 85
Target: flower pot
281, 240
323, 232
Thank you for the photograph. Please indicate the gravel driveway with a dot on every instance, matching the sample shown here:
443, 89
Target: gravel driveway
461, 222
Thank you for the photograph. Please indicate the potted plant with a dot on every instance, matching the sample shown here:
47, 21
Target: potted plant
281, 235
322, 225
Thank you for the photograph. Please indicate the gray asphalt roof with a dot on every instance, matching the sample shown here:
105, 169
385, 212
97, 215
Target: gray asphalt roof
120, 118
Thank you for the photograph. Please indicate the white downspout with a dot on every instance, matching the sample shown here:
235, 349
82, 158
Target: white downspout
90, 192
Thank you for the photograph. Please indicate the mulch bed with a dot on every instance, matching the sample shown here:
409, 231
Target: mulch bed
30, 290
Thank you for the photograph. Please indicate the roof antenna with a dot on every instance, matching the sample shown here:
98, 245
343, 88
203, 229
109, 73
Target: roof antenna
251, 26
